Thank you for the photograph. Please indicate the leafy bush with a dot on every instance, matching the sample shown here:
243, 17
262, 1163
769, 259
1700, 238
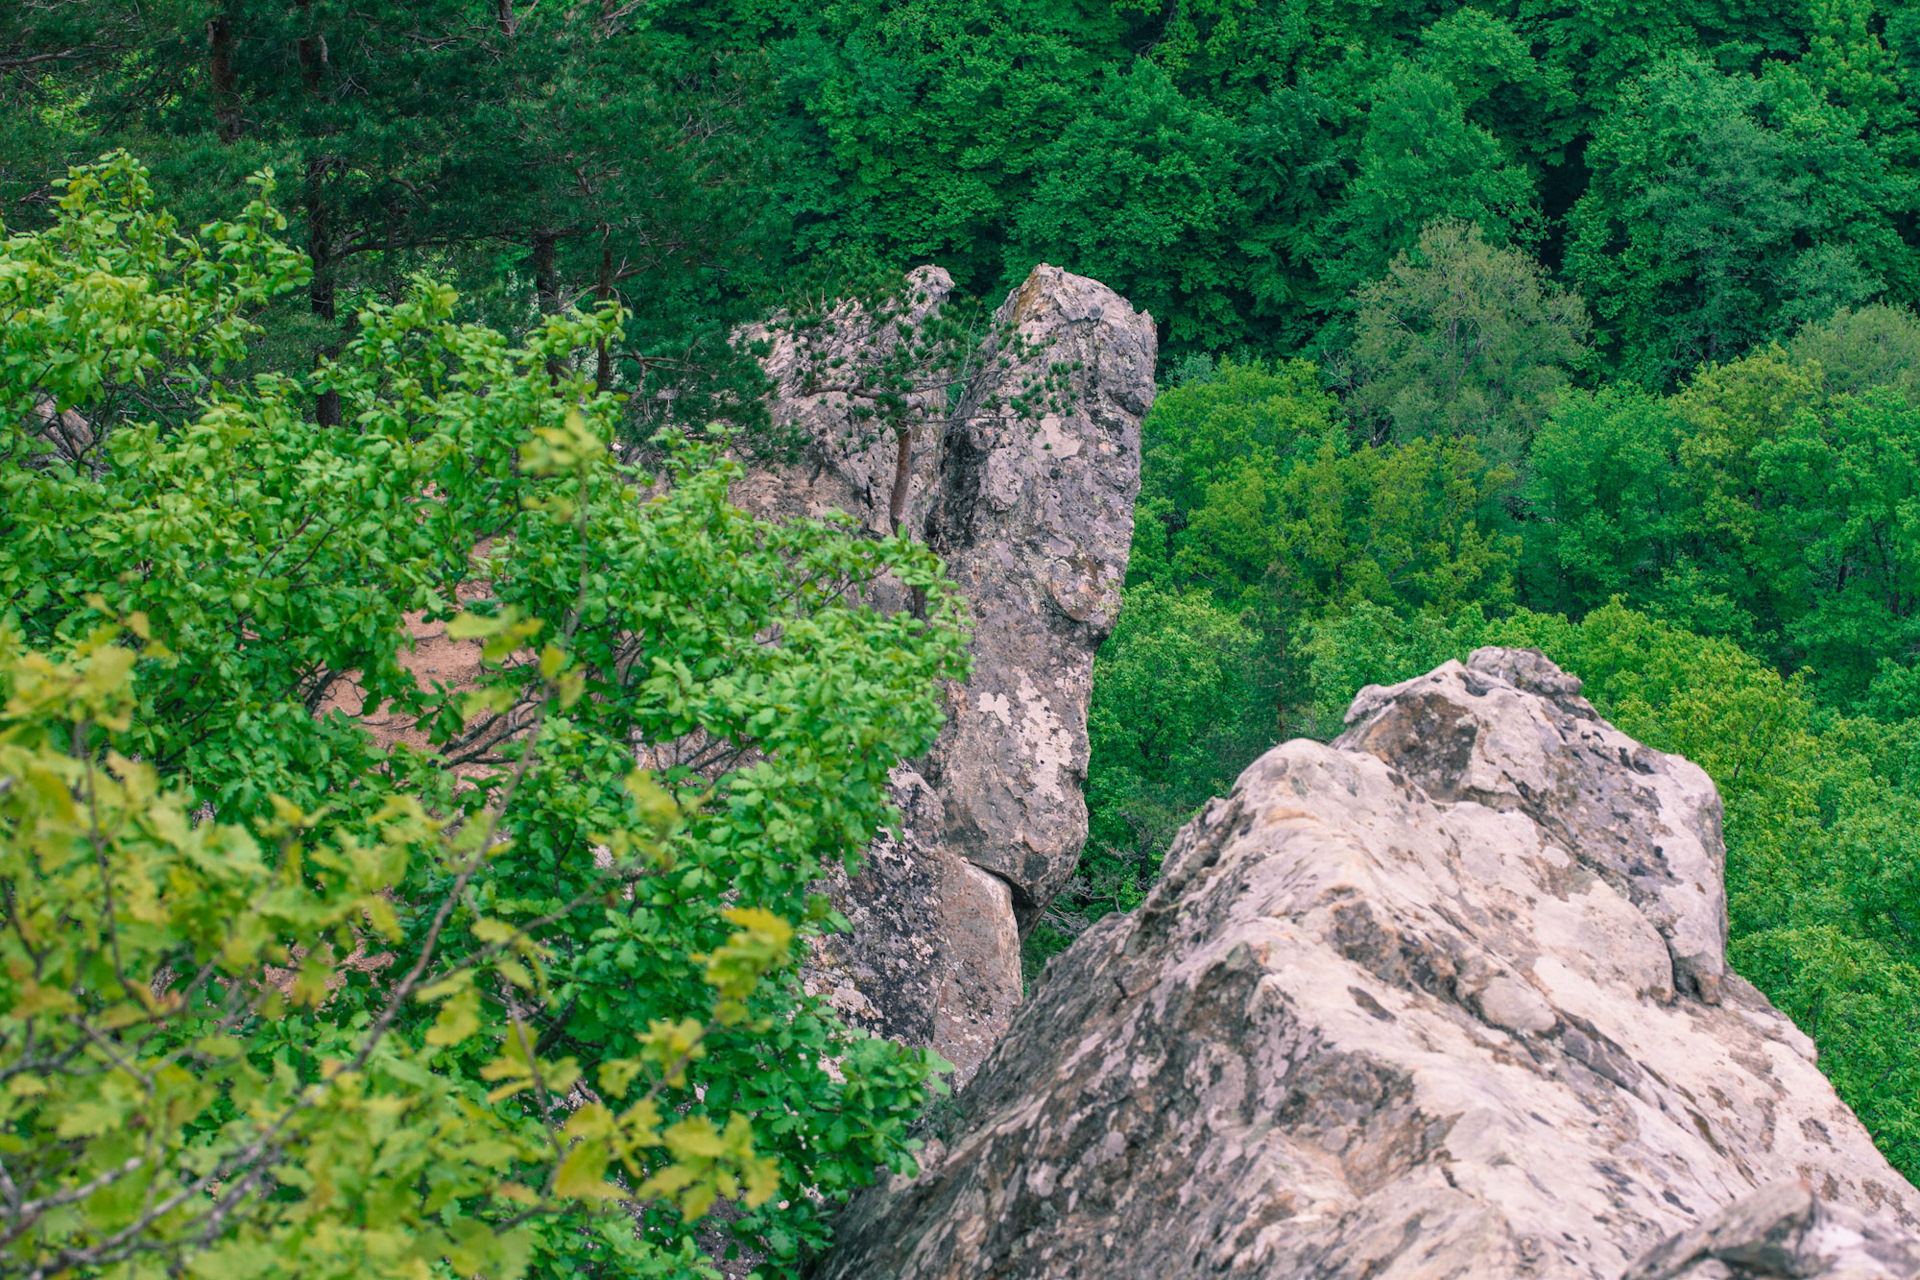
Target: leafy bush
283, 998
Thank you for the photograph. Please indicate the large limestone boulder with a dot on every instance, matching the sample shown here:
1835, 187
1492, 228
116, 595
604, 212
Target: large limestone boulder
1025, 487
1447, 998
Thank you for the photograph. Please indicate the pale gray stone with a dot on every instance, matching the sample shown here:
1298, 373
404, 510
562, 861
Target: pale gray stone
1783, 1229
1447, 998
1026, 489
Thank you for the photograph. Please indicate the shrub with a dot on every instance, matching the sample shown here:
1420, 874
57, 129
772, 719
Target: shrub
281, 999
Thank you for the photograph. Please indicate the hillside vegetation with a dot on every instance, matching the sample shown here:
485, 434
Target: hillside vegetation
1589, 327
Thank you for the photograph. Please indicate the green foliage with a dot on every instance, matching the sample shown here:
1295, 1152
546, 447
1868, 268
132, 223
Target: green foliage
141, 1115
1180, 710
147, 306
1756, 504
1226, 419
1252, 492
559, 986
1209, 445
1423, 161
1607, 500
1371, 644
1185, 694
1413, 527
1139, 192
531, 158
1712, 174
1876, 346
287, 463
1723, 210
1464, 339
914, 131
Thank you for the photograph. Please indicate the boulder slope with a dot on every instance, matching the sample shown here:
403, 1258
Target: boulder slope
1447, 998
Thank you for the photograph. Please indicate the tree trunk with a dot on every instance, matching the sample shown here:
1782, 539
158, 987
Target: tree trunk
226, 96
902, 476
603, 292
312, 48
320, 290
503, 16
546, 284
311, 51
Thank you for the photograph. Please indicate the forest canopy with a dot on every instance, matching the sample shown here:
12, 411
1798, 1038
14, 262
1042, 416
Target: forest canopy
1588, 327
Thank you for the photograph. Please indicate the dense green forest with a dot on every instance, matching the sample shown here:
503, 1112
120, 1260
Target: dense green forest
1588, 326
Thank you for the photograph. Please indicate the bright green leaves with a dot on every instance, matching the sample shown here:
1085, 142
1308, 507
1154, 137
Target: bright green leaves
188, 946
518, 1067
176, 936
148, 297
704, 1162
458, 1020
1265, 500
709, 1164
671, 1047
503, 632
89, 684
1178, 710
420, 902
736, 968
567, 449
582, 1173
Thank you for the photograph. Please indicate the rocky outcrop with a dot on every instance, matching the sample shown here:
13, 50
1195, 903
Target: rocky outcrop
1447, 998
1033, 514
842, 460
1784, 1230
1026, 489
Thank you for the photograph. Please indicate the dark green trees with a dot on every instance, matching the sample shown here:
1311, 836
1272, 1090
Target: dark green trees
1708, 178
1464, 339
1724, 210
542, 159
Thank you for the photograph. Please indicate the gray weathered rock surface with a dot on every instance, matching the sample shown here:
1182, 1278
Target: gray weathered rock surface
1783, 1229
843, 466
1447, 998
1029, 499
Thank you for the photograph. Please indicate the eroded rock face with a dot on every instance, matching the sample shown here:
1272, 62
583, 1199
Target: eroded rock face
1028, 496
1785, 1230
1034, 517
1447, 998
